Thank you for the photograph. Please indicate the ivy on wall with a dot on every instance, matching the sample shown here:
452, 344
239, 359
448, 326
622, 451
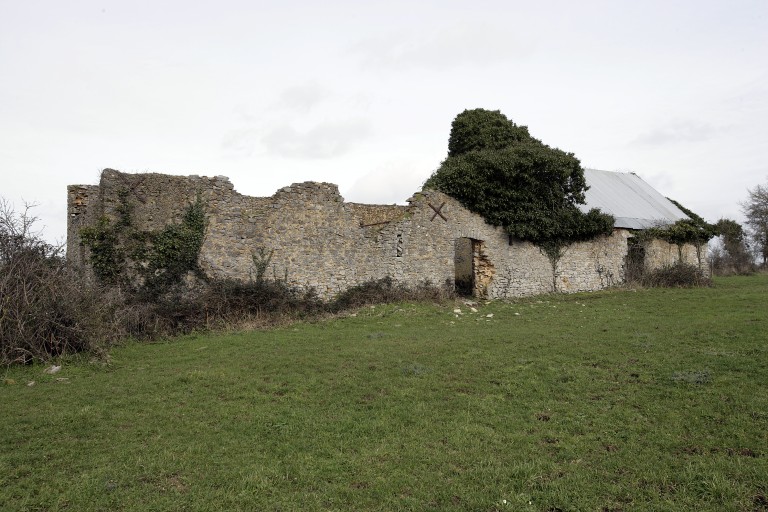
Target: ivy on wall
694, 230
497, 169
150, 262
106, 256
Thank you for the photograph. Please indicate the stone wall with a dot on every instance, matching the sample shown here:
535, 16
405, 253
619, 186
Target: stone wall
83, 209
659, 253
316, 240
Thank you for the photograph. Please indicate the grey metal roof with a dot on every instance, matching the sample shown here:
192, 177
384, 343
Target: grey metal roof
634, 203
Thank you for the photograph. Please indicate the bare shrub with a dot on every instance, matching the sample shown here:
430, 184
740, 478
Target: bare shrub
724, 263
216, 304
45, 309
385, 290
677, 275
227, 303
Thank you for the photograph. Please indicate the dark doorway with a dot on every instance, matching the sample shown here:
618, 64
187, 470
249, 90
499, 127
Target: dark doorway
634, 264
464, 267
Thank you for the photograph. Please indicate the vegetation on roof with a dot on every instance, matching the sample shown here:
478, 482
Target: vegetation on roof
497, 169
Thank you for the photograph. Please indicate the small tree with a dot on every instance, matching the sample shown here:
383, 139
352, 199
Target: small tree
496, 169
733, 256
755, 209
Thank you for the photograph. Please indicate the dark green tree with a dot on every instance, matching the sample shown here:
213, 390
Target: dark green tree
477, 129
498, 170
733, 235
736, 257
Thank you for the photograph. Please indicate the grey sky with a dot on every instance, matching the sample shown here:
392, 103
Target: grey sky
363, 94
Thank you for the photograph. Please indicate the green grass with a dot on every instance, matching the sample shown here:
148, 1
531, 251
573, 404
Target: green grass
619, 400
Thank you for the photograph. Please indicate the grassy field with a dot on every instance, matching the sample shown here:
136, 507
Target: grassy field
619, 400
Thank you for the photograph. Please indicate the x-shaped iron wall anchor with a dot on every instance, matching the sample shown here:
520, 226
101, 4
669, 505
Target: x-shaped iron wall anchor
437, 212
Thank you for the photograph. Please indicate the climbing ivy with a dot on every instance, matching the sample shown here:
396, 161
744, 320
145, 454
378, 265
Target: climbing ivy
694, 230
108, 254
150, 262
261, 259
107, 257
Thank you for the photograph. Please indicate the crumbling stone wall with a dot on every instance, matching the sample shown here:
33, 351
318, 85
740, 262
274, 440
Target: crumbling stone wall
83, 210
374, 214
319, 241
483, 269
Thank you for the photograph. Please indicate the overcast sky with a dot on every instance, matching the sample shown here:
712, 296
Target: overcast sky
362, 94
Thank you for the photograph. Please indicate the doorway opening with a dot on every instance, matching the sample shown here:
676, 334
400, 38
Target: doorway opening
464, 264
634, 263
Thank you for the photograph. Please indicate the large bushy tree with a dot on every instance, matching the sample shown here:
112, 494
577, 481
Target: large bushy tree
479, 129
498, 170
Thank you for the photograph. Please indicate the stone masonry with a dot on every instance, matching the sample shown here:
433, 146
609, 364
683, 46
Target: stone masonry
317, 240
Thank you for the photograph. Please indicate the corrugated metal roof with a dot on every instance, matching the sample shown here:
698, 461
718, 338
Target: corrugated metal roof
634, 203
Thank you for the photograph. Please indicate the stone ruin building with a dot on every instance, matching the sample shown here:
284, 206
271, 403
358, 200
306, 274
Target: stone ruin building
317, 240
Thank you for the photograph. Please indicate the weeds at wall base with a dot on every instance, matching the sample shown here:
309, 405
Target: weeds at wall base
100, 316
678, 275
223, 304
